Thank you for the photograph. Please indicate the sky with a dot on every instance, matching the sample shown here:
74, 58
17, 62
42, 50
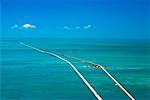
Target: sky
123, 19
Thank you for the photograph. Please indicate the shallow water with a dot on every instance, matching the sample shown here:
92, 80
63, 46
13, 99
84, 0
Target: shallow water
30, 75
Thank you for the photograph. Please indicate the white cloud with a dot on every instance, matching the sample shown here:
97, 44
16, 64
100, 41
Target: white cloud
87, 26
27, 26
67, 28
24, 26
14, 26
78, 27
72, 28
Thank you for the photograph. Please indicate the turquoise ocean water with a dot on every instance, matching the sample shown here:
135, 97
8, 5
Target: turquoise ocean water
30, 75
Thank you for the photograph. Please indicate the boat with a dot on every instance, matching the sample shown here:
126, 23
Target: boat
94, 66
